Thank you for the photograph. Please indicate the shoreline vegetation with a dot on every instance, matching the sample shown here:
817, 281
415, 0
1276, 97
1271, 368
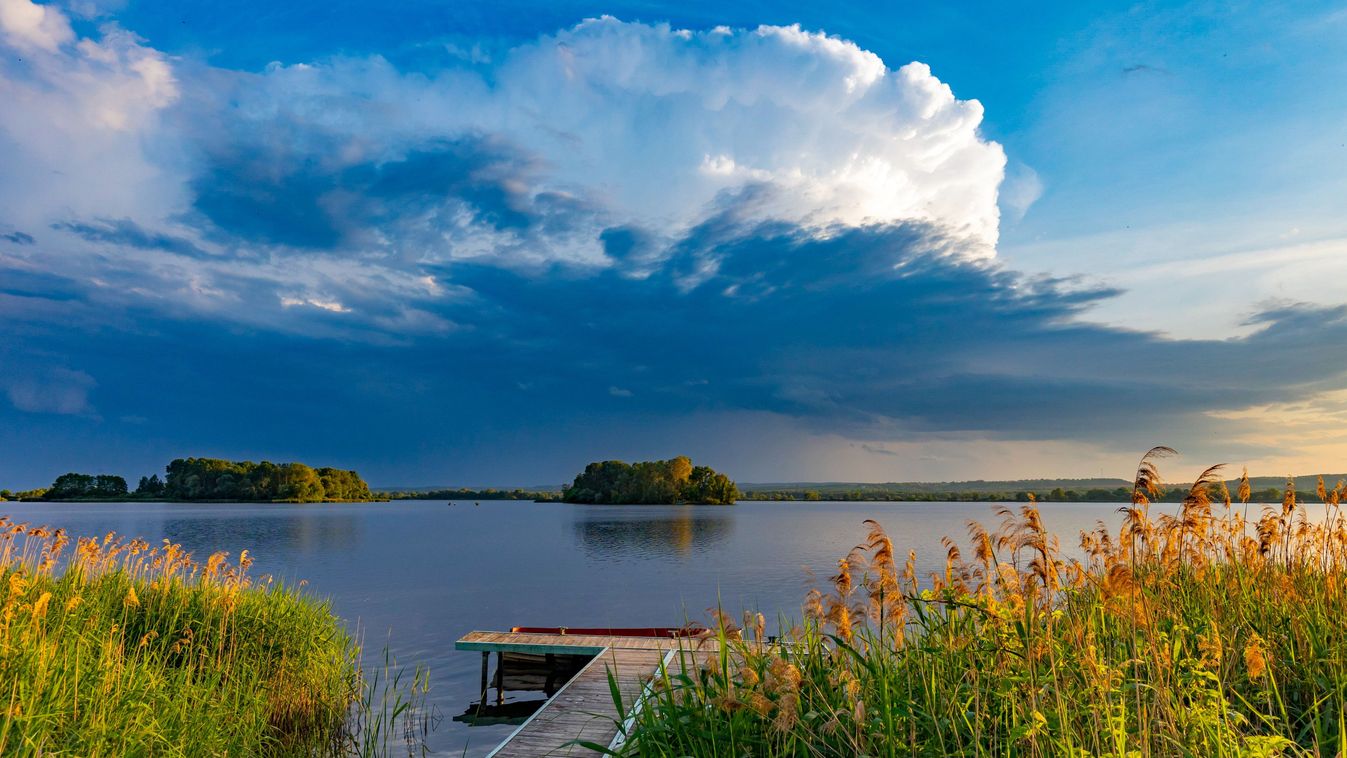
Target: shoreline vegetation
1215, 631
124, 648
672, 482
1263, 490
227, 474
211, 480
1056, 495
465, 493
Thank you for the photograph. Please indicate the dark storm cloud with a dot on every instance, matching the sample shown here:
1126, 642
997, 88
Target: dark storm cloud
874, 328
879, 331
18, 238
291, 195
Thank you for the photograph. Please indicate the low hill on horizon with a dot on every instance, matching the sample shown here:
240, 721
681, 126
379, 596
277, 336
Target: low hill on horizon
1305, 487
971, 485
1306, 482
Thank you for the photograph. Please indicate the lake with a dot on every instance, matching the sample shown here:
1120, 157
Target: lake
419, 574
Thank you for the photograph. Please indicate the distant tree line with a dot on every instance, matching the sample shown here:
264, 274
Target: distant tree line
605, 482
464, 493
874, 495
673, 481
1173, 494
1118, 495
189, 479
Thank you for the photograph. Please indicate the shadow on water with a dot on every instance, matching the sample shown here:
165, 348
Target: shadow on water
508, 714
673, 532
516, 673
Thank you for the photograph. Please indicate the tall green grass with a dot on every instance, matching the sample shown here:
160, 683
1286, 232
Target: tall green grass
1196, 634
118, 647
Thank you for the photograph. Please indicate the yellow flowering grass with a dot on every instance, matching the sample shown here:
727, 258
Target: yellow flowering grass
1201, 633
113, 647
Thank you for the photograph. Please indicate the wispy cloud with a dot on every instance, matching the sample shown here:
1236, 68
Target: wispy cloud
125, 232
51, 390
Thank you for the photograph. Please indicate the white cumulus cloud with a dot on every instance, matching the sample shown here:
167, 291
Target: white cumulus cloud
644, 129
75, 119
656, 122
29, 26
652, 125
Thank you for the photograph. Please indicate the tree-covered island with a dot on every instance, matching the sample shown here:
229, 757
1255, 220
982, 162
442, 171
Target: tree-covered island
216, 480
674, 481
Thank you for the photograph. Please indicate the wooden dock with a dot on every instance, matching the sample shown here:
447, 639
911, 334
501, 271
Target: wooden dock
583, 709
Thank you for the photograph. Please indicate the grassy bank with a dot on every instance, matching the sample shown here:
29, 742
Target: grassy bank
1201, 634
119, 647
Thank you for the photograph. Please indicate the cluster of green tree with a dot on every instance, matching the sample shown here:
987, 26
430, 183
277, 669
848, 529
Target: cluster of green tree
74, 486
34, 494
673, 481
150, 487
463, 493
190, 479
217, 479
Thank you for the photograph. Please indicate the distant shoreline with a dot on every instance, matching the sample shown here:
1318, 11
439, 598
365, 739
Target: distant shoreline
121, 500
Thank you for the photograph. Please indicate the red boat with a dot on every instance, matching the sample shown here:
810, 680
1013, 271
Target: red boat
643, 631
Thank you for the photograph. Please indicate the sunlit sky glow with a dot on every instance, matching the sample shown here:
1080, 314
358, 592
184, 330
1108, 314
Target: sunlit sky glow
485, 243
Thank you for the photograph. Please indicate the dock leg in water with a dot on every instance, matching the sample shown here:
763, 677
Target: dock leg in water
486, 660
500, 678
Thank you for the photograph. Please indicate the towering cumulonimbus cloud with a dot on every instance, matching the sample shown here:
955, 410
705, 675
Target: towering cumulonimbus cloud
345, 182
650, 130
839, 137
340, 185
605, 139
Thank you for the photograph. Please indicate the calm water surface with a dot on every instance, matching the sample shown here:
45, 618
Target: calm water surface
419, 574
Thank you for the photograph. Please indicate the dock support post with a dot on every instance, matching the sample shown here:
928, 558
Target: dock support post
486, 659
500, 678
549, 688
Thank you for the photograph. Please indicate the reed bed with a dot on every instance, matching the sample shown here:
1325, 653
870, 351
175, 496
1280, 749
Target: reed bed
1205, 633
114, 647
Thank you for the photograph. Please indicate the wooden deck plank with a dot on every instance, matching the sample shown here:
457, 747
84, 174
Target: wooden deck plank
584, 708
572, 644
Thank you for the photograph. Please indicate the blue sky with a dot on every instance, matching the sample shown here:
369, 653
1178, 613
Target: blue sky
487, 243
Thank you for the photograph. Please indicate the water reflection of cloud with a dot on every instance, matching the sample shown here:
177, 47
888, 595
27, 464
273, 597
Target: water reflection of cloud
674, 532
